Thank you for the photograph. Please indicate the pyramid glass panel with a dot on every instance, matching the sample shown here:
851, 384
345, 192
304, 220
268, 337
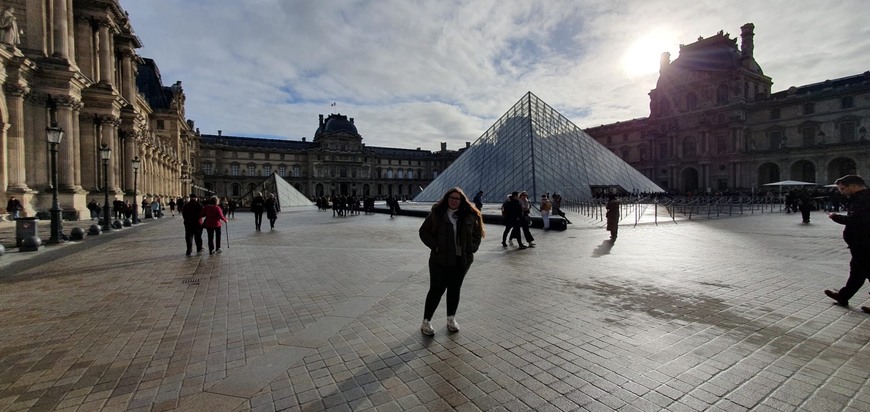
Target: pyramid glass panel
533, 148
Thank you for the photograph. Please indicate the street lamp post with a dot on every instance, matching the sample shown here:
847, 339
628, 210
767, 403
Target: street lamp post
54, 135
136, 163
106, 154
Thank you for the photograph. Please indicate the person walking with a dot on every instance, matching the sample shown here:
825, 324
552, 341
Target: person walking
257, 206
856, 233
526, 219
612, 216
512, 213
213, 218
191, 213
13, 207
155, 208
271, 210
546, 208
172, 206
478, 200
452, 231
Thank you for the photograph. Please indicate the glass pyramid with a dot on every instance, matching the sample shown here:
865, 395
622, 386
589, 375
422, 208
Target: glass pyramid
535, 149
287, 195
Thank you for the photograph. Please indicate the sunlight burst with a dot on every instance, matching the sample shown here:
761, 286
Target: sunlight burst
643, 56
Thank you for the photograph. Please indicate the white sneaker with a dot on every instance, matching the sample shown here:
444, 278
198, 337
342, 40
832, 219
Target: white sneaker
452, 325
426, 328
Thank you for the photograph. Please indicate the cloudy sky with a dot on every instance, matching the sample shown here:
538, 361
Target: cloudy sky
414, 73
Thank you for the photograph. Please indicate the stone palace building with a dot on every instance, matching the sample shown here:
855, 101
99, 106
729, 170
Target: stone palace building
73, 65
334, 162
715, 125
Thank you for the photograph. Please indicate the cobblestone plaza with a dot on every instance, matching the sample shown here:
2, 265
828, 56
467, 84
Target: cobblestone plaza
323, 314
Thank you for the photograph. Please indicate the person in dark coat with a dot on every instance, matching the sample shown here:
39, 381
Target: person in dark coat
452, 231
258, 205
271, 210
512, 213
805, 205
192, 224
612, 216
856, 233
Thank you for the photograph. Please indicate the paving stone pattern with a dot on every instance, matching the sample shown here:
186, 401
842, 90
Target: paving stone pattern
323, 314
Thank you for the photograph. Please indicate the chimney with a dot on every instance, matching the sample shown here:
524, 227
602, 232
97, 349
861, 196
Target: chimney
220, 132
321, 120
747, 32
303, 139
665, 61
467, 145
443, 146
351, 120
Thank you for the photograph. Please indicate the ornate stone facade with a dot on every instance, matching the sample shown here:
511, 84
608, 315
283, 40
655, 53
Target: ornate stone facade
75, 64
334, 162
714, 124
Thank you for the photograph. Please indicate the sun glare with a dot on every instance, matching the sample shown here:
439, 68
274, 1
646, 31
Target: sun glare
643, 56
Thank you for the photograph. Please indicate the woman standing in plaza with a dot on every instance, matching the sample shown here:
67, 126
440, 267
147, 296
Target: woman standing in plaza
271, 210
612, 215
257, 206
213, 219
452, 231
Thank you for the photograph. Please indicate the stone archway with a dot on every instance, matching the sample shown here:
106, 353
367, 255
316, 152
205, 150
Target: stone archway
768, 173
689, 177
804, 171
840, 167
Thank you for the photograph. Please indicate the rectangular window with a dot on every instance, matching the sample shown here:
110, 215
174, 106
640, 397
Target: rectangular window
282, 171
250, 155
252, 170
809, 136
161, 125
206, 168
847, 131
297, 171
775, 139
234, 170
267, 170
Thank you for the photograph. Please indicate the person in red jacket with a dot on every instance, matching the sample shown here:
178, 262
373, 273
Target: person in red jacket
213, 219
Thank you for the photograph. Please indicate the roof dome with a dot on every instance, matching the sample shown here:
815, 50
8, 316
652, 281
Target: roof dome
337, 123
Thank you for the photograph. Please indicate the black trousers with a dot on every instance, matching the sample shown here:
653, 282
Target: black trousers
193, 233
514, 230
444, 278
859, 271
214, 242
258, 219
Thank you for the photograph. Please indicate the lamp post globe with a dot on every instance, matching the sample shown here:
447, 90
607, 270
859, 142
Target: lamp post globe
136, 164
106, 154
54, 134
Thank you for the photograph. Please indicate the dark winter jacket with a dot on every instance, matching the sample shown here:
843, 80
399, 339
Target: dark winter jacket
436, 232
857, 222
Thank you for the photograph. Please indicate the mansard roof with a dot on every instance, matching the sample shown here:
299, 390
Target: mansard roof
149, 83
715, 53
857, 80
254, 142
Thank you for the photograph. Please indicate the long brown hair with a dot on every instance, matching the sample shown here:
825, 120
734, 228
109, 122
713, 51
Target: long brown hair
466, 209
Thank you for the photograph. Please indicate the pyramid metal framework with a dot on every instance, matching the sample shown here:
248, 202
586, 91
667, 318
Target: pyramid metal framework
287, 195
535, 149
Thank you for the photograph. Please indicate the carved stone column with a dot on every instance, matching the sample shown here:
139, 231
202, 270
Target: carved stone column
89, 154
108, 135
15, 163
67, 154
128, 77
104, 48
129, 154
60, 21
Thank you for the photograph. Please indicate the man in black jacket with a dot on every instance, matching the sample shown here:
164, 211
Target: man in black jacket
192, 226
857, 236
512, 212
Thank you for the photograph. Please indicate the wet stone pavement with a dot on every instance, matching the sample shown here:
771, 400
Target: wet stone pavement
323, 313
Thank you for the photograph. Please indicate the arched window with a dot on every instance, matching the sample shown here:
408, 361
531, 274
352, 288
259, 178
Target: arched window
691, 101
410, 174
665, 107
400, 174
722, 94
389, 173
